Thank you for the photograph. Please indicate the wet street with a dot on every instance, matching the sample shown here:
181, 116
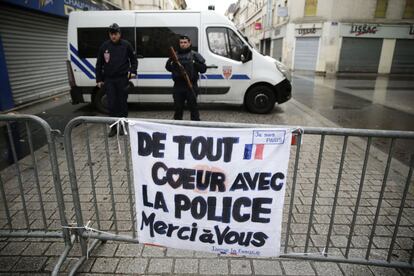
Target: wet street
368, 102
364, 102
317, 102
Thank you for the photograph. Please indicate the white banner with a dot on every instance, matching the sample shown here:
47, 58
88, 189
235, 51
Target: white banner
219, 190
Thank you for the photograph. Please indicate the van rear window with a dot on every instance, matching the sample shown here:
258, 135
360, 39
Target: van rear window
154, 42
90, 39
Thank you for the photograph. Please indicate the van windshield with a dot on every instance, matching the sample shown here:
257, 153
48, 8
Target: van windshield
225, 42
245, 38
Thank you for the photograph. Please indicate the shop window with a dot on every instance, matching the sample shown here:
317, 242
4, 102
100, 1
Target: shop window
409, 9
381, 9
311, 7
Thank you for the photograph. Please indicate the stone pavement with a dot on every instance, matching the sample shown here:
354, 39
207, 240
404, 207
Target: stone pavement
20, 255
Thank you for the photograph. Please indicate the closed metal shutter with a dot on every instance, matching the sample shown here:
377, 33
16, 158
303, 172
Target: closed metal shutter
403, 59
360, 55
277, 49
35, 49
267, 44
306, 53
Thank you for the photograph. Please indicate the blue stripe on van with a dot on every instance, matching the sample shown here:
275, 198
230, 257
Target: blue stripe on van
203, 77
84, 60
87, 73
214, 77
220, 77
240, 77
86, 63
155, 76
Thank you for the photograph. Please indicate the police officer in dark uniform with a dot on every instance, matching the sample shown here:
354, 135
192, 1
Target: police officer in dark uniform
193, 64
115, 65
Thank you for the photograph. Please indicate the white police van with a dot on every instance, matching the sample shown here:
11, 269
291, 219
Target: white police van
236, 74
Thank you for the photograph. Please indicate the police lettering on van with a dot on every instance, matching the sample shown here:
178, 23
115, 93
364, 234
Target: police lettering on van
236, 74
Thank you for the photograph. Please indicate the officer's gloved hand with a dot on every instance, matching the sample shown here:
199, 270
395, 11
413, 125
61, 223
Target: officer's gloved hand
131, 75
174, 64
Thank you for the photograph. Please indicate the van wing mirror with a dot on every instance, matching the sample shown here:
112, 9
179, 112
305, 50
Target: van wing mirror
246, 54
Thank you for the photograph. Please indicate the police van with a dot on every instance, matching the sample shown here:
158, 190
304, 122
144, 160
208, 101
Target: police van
236, 74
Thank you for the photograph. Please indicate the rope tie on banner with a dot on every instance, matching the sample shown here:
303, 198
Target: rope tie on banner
296, 132
300, 130
87, 228
120, 124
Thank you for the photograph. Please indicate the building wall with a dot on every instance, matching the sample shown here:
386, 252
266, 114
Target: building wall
388, 46
348, 10
330, 15
352, 10
253, 14
396, 10
288, 46
296, 9
329, 52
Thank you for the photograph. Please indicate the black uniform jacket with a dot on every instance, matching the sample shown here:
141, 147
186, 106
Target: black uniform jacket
115, 60
193, 63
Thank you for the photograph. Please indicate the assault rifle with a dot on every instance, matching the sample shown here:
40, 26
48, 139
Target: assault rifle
184, 74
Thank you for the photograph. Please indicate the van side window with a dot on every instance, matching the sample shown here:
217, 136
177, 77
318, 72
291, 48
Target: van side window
224, 42
154, 42
90, 39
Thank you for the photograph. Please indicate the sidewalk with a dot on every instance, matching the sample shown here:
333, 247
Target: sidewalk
19, 255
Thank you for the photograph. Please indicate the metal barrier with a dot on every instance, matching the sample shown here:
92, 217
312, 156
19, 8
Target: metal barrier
344, 204
36, 223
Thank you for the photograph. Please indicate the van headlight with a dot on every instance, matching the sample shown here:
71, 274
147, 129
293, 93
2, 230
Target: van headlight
283, 69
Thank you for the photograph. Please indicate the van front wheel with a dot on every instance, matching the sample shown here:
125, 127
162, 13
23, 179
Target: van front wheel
260, 99
101, 101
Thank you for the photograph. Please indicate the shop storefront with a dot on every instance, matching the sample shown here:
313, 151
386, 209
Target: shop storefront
34, 36
307, 43
362, 46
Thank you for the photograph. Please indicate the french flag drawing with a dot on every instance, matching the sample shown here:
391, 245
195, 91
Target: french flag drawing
258, 151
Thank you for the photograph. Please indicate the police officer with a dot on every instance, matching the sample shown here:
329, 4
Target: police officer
115, 65
193, 64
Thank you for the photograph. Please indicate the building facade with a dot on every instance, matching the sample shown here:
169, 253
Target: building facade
33, 44
332, 36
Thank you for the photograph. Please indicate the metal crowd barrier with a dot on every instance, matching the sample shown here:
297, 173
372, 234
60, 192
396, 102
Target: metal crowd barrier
336, 179
16, 188
111, 215
345, 257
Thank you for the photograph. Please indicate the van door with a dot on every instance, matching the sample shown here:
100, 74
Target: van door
227, 77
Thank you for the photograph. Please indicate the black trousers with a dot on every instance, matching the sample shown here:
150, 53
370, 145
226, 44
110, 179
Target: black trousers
181, 95
117, 94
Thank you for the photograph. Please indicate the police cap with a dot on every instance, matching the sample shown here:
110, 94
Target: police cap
185, 37
114, 28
